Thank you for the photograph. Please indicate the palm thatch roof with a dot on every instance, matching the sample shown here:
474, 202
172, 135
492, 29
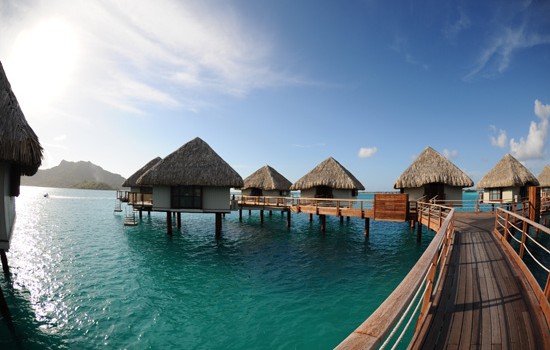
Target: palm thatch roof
193, 164
18, 142
508, 172
268, 179
328, 173
132, 180
432, 167
544, 177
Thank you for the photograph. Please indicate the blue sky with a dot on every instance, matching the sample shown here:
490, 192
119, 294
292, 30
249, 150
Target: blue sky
284, 83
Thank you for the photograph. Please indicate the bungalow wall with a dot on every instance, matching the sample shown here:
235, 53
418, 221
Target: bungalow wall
214, 199
336, 193
508, 195
267, 193
7, 207
452, 193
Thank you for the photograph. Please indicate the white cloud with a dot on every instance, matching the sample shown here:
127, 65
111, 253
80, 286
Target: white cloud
60, 138
500, 140
367, 152
450, 154
133, 54
532, 147
497, 56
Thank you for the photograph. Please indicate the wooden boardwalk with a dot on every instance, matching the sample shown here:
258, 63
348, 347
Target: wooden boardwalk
484, 302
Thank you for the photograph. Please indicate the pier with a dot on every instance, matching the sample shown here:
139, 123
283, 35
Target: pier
470, 289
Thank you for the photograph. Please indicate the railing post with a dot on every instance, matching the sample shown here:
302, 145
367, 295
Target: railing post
523, 239
547, 288
440, 217
506, 227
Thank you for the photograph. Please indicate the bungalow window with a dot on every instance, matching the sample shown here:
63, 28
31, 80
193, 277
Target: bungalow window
186, 197
495, 194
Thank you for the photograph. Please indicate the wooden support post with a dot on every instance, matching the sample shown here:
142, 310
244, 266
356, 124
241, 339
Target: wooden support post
323, 219
367, 228
261, 216
249, 212
169, 223
310, 217
218, 225
4, 258
288, 217
347, 218
341, 219
534, 203
270, 212
140, 214
419, 232
149, 212
240, 214
178, 219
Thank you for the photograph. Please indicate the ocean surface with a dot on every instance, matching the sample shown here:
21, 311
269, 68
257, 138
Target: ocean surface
81, 280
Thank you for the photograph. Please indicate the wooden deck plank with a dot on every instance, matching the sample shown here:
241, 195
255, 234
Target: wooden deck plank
482, 303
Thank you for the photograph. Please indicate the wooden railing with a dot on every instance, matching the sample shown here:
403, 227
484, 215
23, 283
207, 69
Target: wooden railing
414, 295
519, 236
264, 201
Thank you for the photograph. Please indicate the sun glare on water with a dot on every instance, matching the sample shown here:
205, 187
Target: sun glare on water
42, 63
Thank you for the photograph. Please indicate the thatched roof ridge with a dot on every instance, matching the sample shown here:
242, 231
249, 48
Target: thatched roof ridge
267, 178
508, 172
432, 167
18, 142
544, 177
193, 164
132, 180
328, 173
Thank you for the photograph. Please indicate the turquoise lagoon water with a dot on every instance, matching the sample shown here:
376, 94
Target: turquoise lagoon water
81, 280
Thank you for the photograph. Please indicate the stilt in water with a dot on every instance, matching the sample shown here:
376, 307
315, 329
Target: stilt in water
218, 225
288, 218
341, 219
323, 219
249, 212
240, 215
178, 220
169, 223
367, 228
419, 232
140, 214
5, 312
347, 218
4, 259
310, 217
261, 216
270, 212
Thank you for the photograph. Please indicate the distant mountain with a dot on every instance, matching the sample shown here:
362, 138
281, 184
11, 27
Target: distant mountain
75, 175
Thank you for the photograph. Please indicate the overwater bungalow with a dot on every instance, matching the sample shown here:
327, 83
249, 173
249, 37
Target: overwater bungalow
192, 179
140, 195
432, 175
507, 182
544, 182
20, 154
329, 179
266, 181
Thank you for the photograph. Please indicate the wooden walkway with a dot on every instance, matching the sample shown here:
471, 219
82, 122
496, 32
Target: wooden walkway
483, 303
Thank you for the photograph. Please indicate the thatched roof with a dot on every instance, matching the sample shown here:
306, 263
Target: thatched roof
432, 167
508, 172
544, 177
267, 178
132, 180
18, 142
193, 164
328, 173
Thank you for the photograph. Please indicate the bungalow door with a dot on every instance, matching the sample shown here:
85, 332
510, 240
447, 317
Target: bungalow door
436, 190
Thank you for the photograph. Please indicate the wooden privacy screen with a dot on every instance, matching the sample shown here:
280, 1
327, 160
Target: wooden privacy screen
391, 207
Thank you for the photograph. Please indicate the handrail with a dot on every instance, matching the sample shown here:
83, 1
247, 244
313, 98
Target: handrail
507, 225
425, 275
298, 201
